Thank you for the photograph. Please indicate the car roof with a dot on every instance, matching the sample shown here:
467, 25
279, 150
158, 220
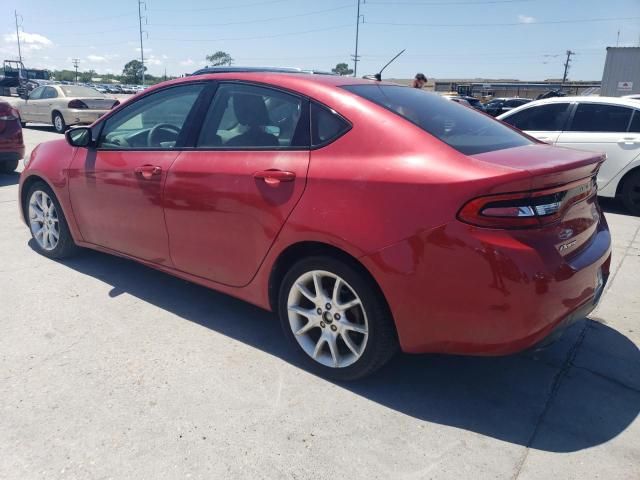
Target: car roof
303, 83
628, 102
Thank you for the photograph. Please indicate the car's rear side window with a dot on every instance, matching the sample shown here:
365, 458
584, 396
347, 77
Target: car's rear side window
635, 122
549, 118
598, 117
463, 128
326, 125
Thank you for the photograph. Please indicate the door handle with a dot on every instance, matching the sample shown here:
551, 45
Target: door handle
274, 177
628, 140
148, 171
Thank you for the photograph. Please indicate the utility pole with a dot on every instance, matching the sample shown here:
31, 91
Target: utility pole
76, 61
140, 2
566, 66
18, 35
356, 57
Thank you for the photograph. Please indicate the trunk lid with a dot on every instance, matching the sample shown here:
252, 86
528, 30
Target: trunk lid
99, 103
558, 176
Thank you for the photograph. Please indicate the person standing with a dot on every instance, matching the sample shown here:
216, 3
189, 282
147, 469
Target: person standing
419, 81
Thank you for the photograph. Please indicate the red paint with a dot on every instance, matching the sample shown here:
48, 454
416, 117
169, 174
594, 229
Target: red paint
11, 141
386, 193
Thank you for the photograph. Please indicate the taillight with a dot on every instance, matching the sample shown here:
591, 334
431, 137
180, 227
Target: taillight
10, 114
525, 209
77, 104
115, 104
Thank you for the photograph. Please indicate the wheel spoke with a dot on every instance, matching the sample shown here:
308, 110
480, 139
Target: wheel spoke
353, 303
349, 343
39, 216
336, 291
317, 285
308, 326
354, 327
54, 233
51, 238
308, 313
333, 348
305, 291
319, 344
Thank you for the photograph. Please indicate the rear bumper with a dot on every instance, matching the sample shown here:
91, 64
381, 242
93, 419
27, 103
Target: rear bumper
463, 290
74, 116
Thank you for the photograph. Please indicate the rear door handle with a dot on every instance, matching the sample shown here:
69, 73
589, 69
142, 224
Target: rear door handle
274, 177
628, 140
148, 171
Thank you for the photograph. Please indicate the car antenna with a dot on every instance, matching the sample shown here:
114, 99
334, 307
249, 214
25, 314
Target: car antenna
378, 76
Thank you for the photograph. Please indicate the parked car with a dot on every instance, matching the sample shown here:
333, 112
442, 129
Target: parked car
457, 99
600, 124
64, 105
369, 216
100, 88
11, 141
498, 106
633, 97
474, 102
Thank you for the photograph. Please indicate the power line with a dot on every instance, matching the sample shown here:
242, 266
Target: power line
448, 3
260, 20
506, 24
208, 9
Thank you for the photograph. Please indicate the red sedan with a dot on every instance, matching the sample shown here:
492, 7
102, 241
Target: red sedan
11, 142
369, 216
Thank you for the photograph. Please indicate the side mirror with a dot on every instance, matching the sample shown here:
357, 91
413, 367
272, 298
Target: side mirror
79, 137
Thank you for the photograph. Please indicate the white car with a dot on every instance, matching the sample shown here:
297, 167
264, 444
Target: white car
601, 124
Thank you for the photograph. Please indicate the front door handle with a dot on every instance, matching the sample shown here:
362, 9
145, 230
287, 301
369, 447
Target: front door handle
274, 177
628, 140
148, 171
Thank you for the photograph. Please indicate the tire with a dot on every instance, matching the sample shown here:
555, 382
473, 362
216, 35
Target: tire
58, 122
631, 193
326, 328
35, 204
8, 166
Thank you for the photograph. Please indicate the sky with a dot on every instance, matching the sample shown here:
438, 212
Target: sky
519, 39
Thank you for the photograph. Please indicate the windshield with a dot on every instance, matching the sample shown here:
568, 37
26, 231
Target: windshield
460, 127
79, 91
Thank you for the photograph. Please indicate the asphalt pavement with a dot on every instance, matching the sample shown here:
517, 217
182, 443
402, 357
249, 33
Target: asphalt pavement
109, 369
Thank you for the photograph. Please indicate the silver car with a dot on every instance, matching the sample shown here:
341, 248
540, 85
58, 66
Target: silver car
64, 105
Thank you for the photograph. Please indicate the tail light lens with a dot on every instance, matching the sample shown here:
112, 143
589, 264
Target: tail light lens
77, 104
525, 209
9, 114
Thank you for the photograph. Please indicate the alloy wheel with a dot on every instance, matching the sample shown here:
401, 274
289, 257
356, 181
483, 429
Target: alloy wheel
43, 220
328, 319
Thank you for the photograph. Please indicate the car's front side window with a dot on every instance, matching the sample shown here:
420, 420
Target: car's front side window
154, 122
49, 92
545, 118
245, 116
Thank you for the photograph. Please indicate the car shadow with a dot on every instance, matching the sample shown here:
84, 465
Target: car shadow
7, 179
559, 399
40, 127
612, 205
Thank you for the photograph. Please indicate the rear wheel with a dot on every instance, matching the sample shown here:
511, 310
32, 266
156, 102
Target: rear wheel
8, 166
48, 226
58, 122
631, 193
334, 315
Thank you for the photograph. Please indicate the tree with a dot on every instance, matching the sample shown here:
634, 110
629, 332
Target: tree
219, 58
132, 72
342, 69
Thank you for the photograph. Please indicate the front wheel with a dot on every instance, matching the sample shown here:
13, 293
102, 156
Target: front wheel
58, 122
335, 315
48, 226
631, 193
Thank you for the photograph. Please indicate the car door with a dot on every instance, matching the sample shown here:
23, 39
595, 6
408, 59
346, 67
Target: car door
603, 127
116, 188
44, 105
543, 122
28, 106
228, 197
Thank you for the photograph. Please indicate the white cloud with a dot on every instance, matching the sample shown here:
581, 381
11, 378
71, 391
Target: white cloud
29, 42
146, 50
526, 19
165, 57
186, 63
96, 58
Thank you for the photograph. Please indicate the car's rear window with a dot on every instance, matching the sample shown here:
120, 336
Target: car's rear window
460, 127
79, 91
